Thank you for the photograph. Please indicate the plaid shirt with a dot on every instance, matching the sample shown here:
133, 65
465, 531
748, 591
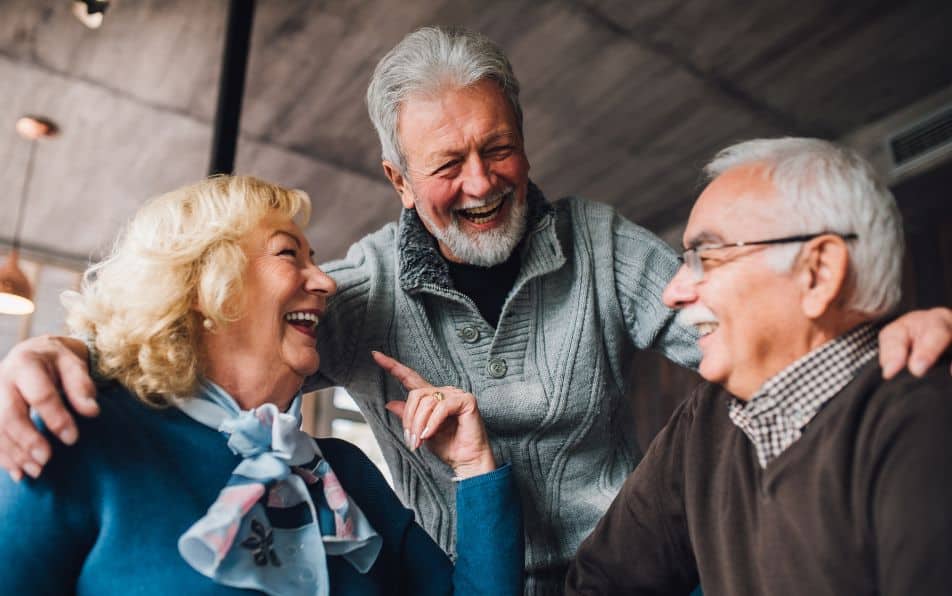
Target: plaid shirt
776, 415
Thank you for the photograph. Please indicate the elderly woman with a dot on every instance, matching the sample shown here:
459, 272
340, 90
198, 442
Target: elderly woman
195, 478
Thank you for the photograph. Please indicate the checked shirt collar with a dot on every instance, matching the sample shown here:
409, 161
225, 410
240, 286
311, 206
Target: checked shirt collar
776, 415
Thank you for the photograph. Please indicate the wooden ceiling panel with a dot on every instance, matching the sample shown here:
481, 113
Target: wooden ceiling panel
806, 65
165, 53
624, 101
113, 153
346, 206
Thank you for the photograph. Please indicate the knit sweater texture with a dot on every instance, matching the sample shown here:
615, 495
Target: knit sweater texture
106, 515
549, 379
858, 505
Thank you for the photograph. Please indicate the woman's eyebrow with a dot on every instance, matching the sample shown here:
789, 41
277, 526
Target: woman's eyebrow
288, 234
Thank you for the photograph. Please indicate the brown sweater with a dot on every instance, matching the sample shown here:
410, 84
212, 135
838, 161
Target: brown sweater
860, 504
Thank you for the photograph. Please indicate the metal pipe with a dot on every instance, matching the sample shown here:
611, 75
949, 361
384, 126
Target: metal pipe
231, 86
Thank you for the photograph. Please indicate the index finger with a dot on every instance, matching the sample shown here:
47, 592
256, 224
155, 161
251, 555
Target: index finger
409, 378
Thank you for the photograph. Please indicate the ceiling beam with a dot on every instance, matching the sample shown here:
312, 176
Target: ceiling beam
49, 256
718, 84
231, 86
263, 139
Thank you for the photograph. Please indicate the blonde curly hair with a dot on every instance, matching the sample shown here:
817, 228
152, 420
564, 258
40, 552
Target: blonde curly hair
179, 253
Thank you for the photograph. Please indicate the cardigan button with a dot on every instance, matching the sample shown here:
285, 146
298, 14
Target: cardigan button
469, 334
497, 368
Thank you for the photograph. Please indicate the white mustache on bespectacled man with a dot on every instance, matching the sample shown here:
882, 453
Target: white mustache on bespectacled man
699, 317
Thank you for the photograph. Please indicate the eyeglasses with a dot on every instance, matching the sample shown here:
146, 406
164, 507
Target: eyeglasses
692, 256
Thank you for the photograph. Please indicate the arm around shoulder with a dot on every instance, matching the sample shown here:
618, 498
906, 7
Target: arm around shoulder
643, 266
361, 281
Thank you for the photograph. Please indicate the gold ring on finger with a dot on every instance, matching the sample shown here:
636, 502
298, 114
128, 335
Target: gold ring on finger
438, 396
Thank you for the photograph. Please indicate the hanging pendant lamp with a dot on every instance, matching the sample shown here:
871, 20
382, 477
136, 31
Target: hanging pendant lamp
16, 294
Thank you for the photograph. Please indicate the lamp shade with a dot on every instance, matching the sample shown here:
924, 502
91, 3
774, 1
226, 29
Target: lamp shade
16, 295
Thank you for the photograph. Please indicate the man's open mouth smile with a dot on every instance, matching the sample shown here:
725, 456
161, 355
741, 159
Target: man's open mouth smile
485, 213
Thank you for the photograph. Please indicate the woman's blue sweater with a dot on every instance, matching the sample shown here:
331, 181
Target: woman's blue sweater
106, 515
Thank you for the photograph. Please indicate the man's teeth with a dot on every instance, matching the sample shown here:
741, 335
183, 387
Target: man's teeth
303, 317
706, 328
483, 213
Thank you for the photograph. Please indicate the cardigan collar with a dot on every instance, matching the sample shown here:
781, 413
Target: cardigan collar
422, 265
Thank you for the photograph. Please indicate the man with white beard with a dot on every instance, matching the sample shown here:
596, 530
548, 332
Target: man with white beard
803, 472
535, 307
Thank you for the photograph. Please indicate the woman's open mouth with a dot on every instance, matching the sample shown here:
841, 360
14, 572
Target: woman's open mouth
304, 321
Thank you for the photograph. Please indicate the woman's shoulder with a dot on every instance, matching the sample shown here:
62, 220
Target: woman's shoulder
365, 483
121, 412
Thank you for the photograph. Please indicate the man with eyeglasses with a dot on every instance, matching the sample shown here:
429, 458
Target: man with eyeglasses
802, 471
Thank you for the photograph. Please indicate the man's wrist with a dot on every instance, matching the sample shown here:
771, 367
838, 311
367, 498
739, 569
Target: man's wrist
84, 346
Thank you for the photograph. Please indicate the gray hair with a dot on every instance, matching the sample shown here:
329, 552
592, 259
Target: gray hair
425, 61
826, 188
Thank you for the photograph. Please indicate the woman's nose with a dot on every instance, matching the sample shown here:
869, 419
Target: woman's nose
319, 282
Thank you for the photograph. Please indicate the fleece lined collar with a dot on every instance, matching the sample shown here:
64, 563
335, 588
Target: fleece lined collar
421, 263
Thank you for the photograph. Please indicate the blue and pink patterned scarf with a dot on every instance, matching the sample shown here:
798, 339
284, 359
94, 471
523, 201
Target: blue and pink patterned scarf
235, 543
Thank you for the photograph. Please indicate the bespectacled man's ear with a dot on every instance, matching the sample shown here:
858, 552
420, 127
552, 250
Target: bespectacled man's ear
823, 269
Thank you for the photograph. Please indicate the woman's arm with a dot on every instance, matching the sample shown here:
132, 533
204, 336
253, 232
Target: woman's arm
489, 543
41, 532
489, 534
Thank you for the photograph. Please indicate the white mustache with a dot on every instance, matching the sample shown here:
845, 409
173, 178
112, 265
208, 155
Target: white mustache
695, 315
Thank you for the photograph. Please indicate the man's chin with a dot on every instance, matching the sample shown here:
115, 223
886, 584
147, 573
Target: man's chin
711, 371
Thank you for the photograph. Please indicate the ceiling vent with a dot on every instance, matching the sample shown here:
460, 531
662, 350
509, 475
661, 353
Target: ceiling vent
919, 141
910, 141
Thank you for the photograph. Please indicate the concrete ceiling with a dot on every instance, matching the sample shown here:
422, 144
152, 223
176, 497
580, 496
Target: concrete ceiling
623, 100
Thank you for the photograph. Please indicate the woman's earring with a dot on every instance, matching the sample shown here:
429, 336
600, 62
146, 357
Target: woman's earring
208, 324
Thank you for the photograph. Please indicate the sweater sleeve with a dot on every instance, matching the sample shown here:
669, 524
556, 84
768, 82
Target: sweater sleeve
641, 546
489, 543
44, 532
644, 265
489, 530
911, 492
339, 331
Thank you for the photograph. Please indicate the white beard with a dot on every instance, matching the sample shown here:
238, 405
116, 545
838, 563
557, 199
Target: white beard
484, 249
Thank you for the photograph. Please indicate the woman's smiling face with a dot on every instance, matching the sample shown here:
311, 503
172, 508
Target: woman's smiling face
283, 298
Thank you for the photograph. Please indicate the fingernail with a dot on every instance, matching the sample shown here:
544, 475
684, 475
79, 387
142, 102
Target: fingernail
32, 469
91, 401
425, 433
406, 437
17, 475
918, 367
413, 442
68, 436
40, 455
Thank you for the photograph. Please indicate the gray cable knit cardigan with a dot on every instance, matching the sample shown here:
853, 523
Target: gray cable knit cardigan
549, 379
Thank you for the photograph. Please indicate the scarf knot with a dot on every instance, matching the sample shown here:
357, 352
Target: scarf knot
235, 543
